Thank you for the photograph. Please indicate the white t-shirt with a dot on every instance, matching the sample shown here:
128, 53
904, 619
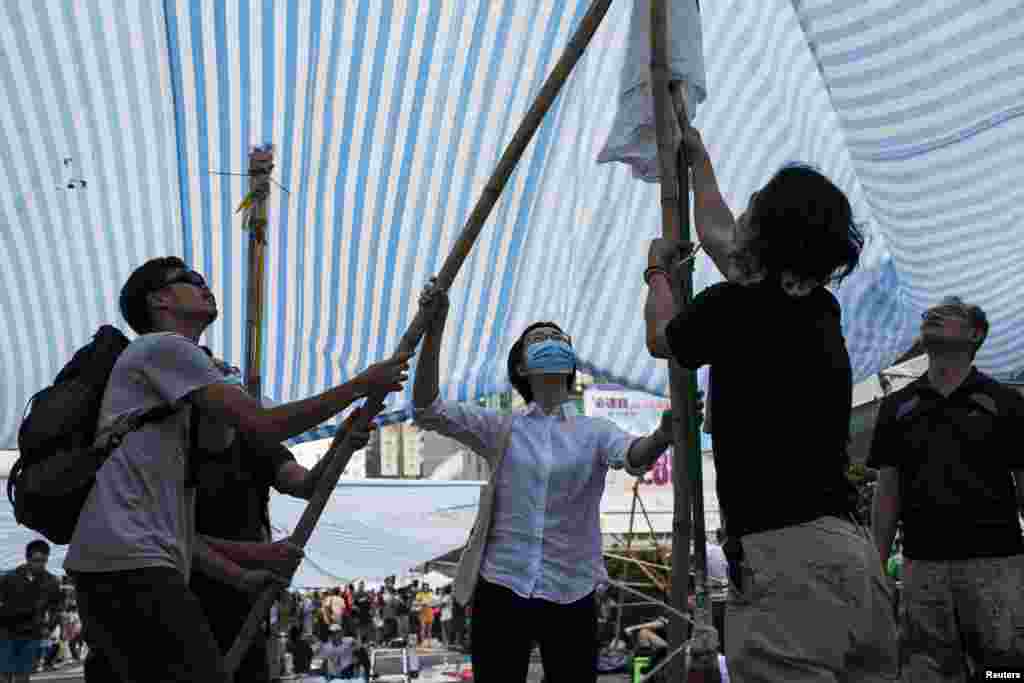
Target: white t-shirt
338, 657
446, 607
718, 566
139, 513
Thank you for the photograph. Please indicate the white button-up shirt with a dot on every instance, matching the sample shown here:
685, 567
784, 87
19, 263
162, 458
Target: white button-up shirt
545, 538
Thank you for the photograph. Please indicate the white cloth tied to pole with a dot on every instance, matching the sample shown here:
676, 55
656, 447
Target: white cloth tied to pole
633, 138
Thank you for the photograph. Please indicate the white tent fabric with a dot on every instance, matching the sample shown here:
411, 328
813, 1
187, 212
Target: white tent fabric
388, 117
376, 527
370, 528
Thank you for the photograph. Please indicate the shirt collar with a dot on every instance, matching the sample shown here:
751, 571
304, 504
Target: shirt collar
971, 382
564, 411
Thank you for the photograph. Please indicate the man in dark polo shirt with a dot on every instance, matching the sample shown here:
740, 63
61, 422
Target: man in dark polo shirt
232, 503
808, 598
952, 472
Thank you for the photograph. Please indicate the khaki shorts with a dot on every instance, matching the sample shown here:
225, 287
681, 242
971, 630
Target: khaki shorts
957, 611
814, 606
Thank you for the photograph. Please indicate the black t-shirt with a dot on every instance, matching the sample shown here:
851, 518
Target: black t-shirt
781, 392
954, 455
402, 602
233, 493
362, 602
232, 502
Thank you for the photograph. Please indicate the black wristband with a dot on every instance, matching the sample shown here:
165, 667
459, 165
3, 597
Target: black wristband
651, 271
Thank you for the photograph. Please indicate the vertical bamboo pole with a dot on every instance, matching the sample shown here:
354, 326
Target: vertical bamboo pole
261, 163
341, 449
629, 546
682, 383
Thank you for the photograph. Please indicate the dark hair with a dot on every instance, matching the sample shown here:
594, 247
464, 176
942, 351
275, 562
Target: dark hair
803, 224
147, 278
37, 546
975, 316
515, 357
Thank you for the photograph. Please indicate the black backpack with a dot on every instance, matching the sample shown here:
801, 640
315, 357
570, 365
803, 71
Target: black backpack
57, 462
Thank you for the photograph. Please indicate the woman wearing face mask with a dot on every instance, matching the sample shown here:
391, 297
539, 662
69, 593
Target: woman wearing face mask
534, 555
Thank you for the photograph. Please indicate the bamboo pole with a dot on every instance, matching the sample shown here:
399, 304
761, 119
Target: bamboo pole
682, 383
261, 163
629, 544
705, 651
341, 448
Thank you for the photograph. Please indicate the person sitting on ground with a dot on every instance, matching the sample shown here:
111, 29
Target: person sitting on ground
534, 557
343, 654
774, 340
132, 548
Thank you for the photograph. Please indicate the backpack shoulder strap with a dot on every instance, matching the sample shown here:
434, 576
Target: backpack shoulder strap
191, 466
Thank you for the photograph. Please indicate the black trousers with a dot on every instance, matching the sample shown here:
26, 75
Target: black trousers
505, 627
226, 610
145, 626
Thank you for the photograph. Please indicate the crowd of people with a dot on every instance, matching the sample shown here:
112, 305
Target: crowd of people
341, 625
376, 617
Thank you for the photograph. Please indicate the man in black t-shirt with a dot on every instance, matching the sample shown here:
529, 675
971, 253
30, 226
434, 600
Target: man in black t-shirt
807, 583
402, 611
952, 471
232, 503
362, 608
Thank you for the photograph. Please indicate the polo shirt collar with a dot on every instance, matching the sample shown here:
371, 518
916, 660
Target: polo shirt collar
971, 382
564, 411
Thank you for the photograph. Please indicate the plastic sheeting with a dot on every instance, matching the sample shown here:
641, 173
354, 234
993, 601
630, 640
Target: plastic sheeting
376, 527
369, 529
388, 118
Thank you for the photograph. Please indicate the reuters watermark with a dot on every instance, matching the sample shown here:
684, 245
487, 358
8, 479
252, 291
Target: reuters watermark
1003, 675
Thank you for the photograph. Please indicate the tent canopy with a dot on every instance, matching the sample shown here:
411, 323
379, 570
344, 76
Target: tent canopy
370, 528
388, 117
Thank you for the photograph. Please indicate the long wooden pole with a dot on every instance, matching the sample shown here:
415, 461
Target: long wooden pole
682, 383
704, 653
629, 545
261, 163
341, 448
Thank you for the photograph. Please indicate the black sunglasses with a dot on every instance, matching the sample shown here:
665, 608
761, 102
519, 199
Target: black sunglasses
945, 313
188, 277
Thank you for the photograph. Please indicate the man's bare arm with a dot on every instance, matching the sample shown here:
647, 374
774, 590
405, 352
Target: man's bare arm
885, 510
658, 313
295, 480
230, 404
216, 565
646, 450
713, 220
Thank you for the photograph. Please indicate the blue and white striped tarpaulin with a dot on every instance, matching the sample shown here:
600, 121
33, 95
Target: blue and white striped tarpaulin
388, 118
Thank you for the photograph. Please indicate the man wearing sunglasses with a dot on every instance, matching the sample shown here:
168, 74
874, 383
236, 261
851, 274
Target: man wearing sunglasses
948, 447
132, 550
